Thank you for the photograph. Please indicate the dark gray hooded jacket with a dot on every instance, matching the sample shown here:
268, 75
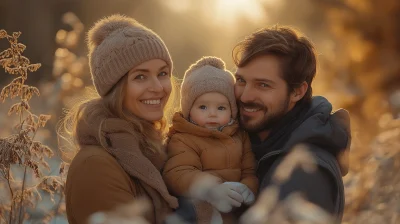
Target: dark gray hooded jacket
327, 135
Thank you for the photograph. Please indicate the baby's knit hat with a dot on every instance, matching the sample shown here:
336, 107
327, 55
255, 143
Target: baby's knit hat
116, 45
207, 75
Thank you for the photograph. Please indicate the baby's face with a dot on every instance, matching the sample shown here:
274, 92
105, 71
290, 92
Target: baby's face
211, 110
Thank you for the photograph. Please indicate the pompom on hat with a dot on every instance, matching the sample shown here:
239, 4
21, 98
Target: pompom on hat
116, 45
207, 75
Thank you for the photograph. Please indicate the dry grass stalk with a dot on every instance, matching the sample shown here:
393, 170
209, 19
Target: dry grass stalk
20, 150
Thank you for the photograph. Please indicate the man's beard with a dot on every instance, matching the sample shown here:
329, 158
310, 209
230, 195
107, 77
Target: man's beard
267, 122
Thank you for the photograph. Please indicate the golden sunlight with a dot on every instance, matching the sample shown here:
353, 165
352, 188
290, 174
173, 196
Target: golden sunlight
228, 11
224, 13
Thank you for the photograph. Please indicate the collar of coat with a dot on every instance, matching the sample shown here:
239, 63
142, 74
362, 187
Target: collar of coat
120, 138
181, 125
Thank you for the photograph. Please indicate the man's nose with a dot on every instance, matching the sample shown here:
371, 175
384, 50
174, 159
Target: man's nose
248, 94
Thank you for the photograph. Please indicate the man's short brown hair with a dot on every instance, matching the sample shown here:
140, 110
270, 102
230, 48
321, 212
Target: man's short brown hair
295, 52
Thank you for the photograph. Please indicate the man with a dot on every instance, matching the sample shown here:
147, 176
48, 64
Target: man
275, 70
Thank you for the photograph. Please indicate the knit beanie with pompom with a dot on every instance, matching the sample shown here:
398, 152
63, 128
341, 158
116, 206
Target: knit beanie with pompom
116, 45
207, 75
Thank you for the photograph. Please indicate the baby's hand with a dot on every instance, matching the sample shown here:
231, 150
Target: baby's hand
220, 196
247, 194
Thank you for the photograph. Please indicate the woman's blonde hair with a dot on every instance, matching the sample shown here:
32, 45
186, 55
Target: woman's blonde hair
153, 134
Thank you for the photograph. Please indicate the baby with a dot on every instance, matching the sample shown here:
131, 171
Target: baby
209, 157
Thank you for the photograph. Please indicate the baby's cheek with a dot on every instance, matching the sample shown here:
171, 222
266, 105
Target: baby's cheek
198, 119
227, 118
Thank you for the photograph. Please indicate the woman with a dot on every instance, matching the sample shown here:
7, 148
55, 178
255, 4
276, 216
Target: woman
120, 133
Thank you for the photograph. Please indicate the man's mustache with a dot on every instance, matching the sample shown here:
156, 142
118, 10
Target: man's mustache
251, 105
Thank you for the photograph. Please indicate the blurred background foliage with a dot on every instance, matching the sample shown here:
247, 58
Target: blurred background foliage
358, 52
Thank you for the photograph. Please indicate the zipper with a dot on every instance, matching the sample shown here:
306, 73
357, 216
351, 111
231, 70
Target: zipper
276, 152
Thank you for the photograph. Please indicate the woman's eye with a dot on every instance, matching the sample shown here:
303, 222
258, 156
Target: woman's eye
202, 107
163, 74
221, 108
141, 77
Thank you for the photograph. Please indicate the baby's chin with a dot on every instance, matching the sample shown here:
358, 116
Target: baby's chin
212, 128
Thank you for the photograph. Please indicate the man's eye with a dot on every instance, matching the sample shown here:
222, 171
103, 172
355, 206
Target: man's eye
240, 80
265, 85
202, 107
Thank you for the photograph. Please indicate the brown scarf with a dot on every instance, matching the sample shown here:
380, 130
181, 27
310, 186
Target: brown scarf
121, 140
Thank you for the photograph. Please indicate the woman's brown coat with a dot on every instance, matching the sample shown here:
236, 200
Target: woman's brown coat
111, 170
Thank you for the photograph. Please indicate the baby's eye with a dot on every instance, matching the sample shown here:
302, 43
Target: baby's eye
202, 107
221, 108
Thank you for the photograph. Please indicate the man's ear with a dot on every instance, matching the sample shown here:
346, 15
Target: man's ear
299, 92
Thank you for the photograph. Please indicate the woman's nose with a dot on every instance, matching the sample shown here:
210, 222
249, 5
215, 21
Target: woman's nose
155, 85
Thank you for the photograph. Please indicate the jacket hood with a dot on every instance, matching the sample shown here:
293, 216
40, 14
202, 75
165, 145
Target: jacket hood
181, 125
317, 126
